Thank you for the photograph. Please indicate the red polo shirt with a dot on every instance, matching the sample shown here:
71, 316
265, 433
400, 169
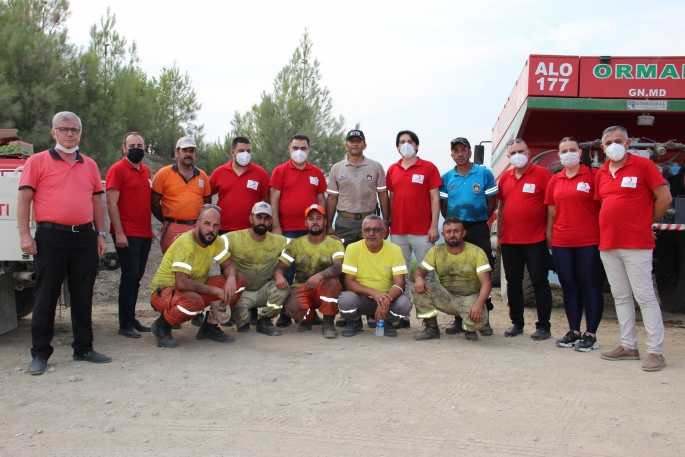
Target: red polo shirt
238, 194
524, 218
135, 191
627, 212
411, 201
63, 193
299, 189
576, 220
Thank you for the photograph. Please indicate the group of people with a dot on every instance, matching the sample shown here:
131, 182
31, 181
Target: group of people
281, 256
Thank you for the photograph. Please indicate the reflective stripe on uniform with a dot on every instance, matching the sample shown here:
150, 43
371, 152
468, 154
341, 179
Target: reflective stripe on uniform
443, 194
290, 259
328, 299
426, 266
427, 315
189, 313
492, 191
338, 254
483, 268
225, 251
182, 265
274, 306
348, 267
401, 267
348, 310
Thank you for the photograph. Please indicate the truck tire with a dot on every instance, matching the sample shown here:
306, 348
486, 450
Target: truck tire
496, 270
671, 264
24, 299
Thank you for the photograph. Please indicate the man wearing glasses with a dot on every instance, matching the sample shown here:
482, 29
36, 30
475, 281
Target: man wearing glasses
374, 280
65, 189
182, 288
521, 228
468, 193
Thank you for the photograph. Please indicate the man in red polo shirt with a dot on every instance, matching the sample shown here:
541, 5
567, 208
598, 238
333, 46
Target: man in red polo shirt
634, 195
65, 189
414, 188
129, 189
521, 230
295, 185
240, 184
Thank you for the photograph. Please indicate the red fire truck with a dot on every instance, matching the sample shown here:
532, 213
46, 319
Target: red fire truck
558, 96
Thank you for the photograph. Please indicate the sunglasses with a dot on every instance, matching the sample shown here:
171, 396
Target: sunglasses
372, 229
517, 140
208, 205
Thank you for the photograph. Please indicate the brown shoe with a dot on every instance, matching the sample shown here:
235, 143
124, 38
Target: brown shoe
621, 353
654, 362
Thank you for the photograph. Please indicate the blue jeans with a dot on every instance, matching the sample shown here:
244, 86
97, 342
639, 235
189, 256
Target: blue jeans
581, 275
133, 260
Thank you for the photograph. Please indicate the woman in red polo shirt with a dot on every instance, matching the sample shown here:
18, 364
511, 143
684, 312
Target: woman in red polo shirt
573, 236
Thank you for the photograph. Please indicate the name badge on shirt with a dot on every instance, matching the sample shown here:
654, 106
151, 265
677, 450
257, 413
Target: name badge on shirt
202, 184
417, 179
150, 183
314, 180
342, 176
529, 188
629, 181
583, 187
252, 184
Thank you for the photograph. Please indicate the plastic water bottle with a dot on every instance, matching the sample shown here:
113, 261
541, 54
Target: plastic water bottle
380, 327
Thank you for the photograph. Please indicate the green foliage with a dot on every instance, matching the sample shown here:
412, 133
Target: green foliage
297, 104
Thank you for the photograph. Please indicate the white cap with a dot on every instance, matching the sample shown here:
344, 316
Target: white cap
185, 142
262, 208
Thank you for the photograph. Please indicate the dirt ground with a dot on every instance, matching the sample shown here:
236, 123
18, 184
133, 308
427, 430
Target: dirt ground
300, 394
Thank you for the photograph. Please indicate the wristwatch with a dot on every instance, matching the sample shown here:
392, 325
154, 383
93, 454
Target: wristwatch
102, 233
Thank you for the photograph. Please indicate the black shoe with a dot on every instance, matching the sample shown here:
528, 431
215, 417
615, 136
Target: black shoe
284, 321
541, 334
353, 327
254, 316
328, 327
37, 366
431, 330
587, 343
402, 323
486, 330
198, 320
162, 335
569, 340
371, 321
140, 327
341, 322
265, 326
513, 330
389, 331
243, 328
317, 319
227, 324
455, 327
214, 333
92, 357
471, 336
129, 332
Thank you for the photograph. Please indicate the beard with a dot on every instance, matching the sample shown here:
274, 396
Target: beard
204, 240
315, 232
453, 243
260, 229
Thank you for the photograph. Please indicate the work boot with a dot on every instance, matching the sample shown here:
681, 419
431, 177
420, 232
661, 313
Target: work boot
371, 321
129, 332
455, 327
265, 326
471, 336
140, 327
198, 320
283, 321
212, 332
486, 330
341, 322
352, 327
245, 328
328, 327
162, 332
402, 323
431, 331
316, 320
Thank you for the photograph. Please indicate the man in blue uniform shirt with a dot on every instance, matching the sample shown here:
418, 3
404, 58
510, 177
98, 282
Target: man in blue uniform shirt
468, 193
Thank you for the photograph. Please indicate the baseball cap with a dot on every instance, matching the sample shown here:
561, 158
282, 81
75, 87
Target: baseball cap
461, 140
319, 208
353, 133
262, 208
185, 142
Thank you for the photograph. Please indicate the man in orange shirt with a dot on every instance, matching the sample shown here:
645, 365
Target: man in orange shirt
178, 193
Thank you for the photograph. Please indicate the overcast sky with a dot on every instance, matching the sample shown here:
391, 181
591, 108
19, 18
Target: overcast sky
440, 68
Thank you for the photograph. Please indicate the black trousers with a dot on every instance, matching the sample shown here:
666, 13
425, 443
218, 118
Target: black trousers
76, 256
534, 256
478, 233
132, 260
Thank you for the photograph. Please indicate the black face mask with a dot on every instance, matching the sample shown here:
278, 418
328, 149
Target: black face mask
135, 155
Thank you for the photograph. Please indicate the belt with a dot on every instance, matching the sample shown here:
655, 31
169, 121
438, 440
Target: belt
66, 228
468, 224
356, 217
176, 221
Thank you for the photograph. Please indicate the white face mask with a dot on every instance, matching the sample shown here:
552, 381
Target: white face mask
615, 152
407, 151
570, 159
243, 158
299, 156
65, 150
518, 160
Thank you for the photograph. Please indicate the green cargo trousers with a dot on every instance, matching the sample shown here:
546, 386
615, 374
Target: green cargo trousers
437, 298
269, 297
